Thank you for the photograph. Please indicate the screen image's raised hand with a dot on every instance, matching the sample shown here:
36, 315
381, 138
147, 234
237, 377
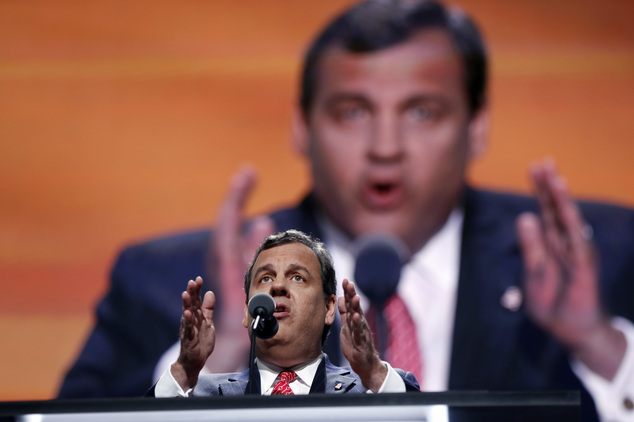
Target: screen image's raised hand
234, 244
561, 275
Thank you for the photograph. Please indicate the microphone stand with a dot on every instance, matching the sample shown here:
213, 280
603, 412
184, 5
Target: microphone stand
381, 329
252, 385
261, 308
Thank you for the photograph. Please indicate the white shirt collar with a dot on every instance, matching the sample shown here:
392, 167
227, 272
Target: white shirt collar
440, 256
428, 286
305, 373
433, 256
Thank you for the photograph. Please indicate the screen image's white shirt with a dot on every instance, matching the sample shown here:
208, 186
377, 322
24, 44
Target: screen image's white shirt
428, 286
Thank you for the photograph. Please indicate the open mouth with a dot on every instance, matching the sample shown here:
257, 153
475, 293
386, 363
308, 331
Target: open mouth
383, 188
383, 195
281, 311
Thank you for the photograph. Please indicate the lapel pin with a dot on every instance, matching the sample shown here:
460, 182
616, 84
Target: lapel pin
338, 386
512, 298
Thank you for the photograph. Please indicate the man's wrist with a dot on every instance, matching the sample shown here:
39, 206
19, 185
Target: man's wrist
374, 377
187, 379
603, 351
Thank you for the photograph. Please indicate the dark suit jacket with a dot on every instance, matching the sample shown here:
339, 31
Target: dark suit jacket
493, 348
329, 379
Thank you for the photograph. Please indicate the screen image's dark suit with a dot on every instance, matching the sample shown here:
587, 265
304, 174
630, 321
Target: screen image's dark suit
329, 379
494, 348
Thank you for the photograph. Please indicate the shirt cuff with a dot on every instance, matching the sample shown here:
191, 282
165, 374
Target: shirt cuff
393, 383
614, 399
167, 386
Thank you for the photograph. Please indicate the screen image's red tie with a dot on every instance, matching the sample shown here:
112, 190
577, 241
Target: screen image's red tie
402, 349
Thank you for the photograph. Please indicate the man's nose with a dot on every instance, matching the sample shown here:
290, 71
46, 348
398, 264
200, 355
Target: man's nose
278, 287
385, 141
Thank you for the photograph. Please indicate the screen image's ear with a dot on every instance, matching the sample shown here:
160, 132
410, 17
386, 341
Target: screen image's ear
479, 129
299, 132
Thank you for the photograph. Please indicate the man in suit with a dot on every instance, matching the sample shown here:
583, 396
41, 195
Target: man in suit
297, 272
506, 291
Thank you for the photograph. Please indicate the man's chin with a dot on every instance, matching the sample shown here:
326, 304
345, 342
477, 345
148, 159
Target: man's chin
378, 225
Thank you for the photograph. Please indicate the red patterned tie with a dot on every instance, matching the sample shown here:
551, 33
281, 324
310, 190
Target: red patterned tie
282, 387
402, 349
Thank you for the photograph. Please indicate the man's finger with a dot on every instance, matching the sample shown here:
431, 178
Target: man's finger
231, 213
575, 229
208, 306
540, 287
531, 241
541, 176
187, 300
229, 245
193, 289
341, 303
260, 228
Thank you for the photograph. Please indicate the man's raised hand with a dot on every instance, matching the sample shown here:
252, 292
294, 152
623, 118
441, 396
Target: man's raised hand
561, 275
233, 247
356, 340
197, 334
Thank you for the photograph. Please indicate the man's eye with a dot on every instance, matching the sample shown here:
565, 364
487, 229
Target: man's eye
298, 278
351, 114
420, 113
266, 279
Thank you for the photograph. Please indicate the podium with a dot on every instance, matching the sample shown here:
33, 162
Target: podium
453, 406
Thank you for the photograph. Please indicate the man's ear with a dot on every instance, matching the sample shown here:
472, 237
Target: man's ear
299, 132
331, 309
479, 128
245, 321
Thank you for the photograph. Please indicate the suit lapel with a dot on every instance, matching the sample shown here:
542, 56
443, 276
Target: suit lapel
236, 385
328, 379
490, 265
496, 346
319, 382
340, 380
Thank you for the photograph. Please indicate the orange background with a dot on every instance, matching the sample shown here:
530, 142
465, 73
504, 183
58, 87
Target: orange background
124, 119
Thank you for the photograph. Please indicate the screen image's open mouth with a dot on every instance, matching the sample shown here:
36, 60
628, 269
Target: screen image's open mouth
383, 195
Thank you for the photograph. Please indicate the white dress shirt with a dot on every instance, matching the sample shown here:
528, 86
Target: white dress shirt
428, 287
167, 386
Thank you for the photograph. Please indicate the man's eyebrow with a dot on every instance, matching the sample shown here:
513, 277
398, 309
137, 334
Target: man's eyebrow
340, 97
345, 96
297, 267
427, 97
263, 268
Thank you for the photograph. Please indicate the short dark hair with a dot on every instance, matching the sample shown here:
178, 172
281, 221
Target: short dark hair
328, 278
374, 25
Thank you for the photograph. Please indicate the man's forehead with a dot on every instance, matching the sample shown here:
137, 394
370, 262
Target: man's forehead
426, 65
287, 254
424, 48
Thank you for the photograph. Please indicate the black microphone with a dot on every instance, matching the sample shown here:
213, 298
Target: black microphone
377, 271
261, 308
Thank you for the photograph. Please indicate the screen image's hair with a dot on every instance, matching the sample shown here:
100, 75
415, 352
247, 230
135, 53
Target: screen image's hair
374, 25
